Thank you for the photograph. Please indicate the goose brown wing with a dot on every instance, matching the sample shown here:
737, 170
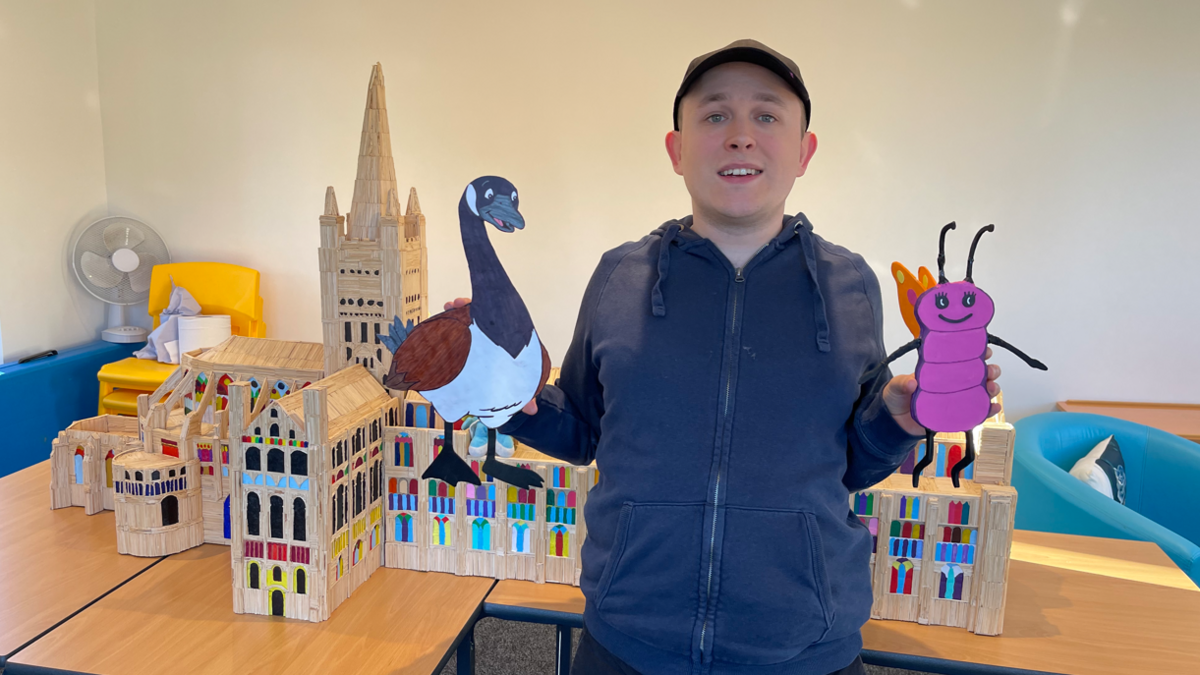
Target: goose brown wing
434, 352
545, 370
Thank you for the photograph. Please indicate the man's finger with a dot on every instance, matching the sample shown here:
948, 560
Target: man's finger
993, 389
530, 408
993, 372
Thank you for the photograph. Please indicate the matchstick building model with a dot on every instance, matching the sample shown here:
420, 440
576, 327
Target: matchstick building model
81, 461
157, 504
941, 553
192, 422
493, 529
307, 501
373, 261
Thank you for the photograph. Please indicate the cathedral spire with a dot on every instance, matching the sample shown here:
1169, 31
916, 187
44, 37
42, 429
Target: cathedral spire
376, 172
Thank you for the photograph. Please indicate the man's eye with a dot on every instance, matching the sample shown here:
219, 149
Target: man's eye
715, 117
766, 118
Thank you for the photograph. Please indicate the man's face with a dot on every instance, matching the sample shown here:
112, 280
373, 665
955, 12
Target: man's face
737, 117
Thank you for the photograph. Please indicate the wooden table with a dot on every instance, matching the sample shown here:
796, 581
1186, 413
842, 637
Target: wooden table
178, 617
1077, 605
52, 563
1181, 419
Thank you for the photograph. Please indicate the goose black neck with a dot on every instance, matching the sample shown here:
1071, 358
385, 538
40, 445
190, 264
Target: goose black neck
496, 307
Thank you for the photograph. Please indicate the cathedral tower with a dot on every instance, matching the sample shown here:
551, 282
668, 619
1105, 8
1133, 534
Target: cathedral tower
373, 260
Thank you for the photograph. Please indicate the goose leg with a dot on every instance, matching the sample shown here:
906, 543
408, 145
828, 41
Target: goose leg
513, 475
966, 460
448, 466
926, 460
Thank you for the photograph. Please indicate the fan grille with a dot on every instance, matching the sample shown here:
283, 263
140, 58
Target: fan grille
91, 255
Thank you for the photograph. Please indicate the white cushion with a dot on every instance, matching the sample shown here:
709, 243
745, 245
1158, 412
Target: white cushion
1103, 469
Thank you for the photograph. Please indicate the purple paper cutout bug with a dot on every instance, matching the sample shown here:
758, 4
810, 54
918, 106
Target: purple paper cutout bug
951, 372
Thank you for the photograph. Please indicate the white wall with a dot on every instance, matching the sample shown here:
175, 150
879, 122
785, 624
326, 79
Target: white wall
51, 172
1072, 126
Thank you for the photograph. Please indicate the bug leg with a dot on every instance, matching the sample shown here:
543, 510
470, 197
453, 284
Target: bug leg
966, 460
926, 460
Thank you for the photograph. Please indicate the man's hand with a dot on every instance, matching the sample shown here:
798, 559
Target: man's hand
531, 407
897, 396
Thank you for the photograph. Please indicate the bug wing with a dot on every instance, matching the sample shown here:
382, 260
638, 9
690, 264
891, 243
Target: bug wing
925, 278
908, 289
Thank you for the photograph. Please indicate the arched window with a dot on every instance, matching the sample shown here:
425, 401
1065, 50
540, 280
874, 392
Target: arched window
253, 459
275, 460
299, 521
276, 517
156, 475
108, 479
299, 463
277, 574
137, 475
79, 465
274, 414
253, 507
170, 510
274, 429
341, 506
292, 434
301, 581
254, 575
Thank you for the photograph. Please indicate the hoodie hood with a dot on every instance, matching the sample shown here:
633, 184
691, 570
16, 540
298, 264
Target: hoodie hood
794, 227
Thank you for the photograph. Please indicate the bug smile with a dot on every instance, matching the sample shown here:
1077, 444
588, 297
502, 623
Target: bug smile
943, 318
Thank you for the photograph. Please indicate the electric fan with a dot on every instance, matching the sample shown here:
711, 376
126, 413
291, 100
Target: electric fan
113, 258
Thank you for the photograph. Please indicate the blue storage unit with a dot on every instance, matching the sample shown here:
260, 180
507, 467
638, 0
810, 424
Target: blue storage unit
1162, 470
40, 398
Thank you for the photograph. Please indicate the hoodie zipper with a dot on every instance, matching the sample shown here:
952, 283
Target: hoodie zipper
712, 540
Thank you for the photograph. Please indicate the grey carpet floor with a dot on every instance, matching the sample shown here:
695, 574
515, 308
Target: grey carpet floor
513, 648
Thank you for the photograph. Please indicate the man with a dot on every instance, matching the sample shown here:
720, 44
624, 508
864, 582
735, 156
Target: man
713, 377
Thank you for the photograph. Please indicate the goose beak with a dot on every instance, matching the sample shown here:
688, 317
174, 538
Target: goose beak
503, 215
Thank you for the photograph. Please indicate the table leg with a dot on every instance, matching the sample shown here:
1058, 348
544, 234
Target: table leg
563, 650
466, 653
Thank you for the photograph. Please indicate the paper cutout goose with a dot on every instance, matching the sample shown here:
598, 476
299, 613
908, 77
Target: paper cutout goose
483, 359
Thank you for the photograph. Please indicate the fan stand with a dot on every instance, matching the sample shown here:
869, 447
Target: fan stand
118, 332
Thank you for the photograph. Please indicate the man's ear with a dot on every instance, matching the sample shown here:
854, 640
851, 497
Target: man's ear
674, 145
808, 148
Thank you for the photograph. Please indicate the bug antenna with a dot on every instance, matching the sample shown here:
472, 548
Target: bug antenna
974, 243
942, 252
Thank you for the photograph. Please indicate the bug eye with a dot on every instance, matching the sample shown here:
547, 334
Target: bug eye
488, 194
941, 301
514, 196
968, 300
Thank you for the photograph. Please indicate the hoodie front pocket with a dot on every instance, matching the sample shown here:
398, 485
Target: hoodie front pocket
649, 589
774, 599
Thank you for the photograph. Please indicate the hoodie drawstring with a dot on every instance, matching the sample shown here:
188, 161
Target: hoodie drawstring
657, 305
804, 229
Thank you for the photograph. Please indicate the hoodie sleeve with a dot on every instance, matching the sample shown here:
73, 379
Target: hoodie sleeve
877, 443
567, 423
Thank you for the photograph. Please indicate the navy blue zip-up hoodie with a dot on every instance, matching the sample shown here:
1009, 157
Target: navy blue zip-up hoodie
722, 408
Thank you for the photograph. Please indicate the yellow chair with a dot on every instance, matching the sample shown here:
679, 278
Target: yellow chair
219, 288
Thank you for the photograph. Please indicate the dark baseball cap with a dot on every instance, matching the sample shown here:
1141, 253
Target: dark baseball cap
745, 51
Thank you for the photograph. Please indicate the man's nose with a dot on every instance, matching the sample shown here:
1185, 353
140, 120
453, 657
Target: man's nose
740, 137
